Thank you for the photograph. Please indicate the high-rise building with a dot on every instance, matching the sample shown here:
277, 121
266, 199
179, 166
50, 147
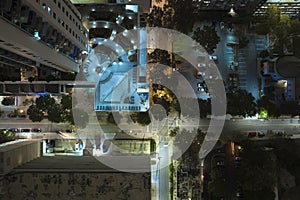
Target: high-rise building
38, 35
289, 7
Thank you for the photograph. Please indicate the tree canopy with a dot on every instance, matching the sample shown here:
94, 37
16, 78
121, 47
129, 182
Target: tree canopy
207, 37
265, 105
35, 114
6, 136
46, 107
240, 103
257, 173
142, 118
8, 101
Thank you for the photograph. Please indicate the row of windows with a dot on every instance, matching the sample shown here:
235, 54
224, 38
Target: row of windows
60, 21
67, 14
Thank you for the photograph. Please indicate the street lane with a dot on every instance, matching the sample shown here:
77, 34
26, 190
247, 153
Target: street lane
231, 126
164, 160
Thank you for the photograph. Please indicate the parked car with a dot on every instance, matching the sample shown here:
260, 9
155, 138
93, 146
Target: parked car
25, 130
12, 115
14, 130
36, 130
213, 57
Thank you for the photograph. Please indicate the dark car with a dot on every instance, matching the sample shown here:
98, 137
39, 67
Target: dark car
14, 130
36, 130
70, 131
261, 134
12, 115
25, 130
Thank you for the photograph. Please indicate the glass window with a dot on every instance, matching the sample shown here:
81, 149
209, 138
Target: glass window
67, 13
54, 15
63, 9
59, 4
54, 1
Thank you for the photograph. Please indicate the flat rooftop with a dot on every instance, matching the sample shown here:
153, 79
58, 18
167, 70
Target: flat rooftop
72, 178
86, 164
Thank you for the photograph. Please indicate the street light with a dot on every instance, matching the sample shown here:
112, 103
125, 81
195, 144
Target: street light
232, 13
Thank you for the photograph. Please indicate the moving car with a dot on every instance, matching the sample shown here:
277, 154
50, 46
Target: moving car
252, 133
261, 134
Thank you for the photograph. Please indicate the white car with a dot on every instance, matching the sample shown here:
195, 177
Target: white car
212, 57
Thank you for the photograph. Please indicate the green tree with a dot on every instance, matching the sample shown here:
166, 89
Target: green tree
217, 185
142, 118
205, 108
290, 108
174, 131
8, 101
6, 136
207, 37
282, 31
295, 27
265, 104
44, 102
242, 37
35, 114
160, 56
161, 17
257, 172
182, 9
66, 102
55, 113
241, 103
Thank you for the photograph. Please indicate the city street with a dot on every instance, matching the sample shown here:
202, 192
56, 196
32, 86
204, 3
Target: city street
163, 173
232, 126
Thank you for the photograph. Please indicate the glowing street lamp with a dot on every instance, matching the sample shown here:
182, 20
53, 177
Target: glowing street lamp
232, 13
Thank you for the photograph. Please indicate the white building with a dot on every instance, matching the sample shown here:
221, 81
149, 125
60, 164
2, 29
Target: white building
41, 32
